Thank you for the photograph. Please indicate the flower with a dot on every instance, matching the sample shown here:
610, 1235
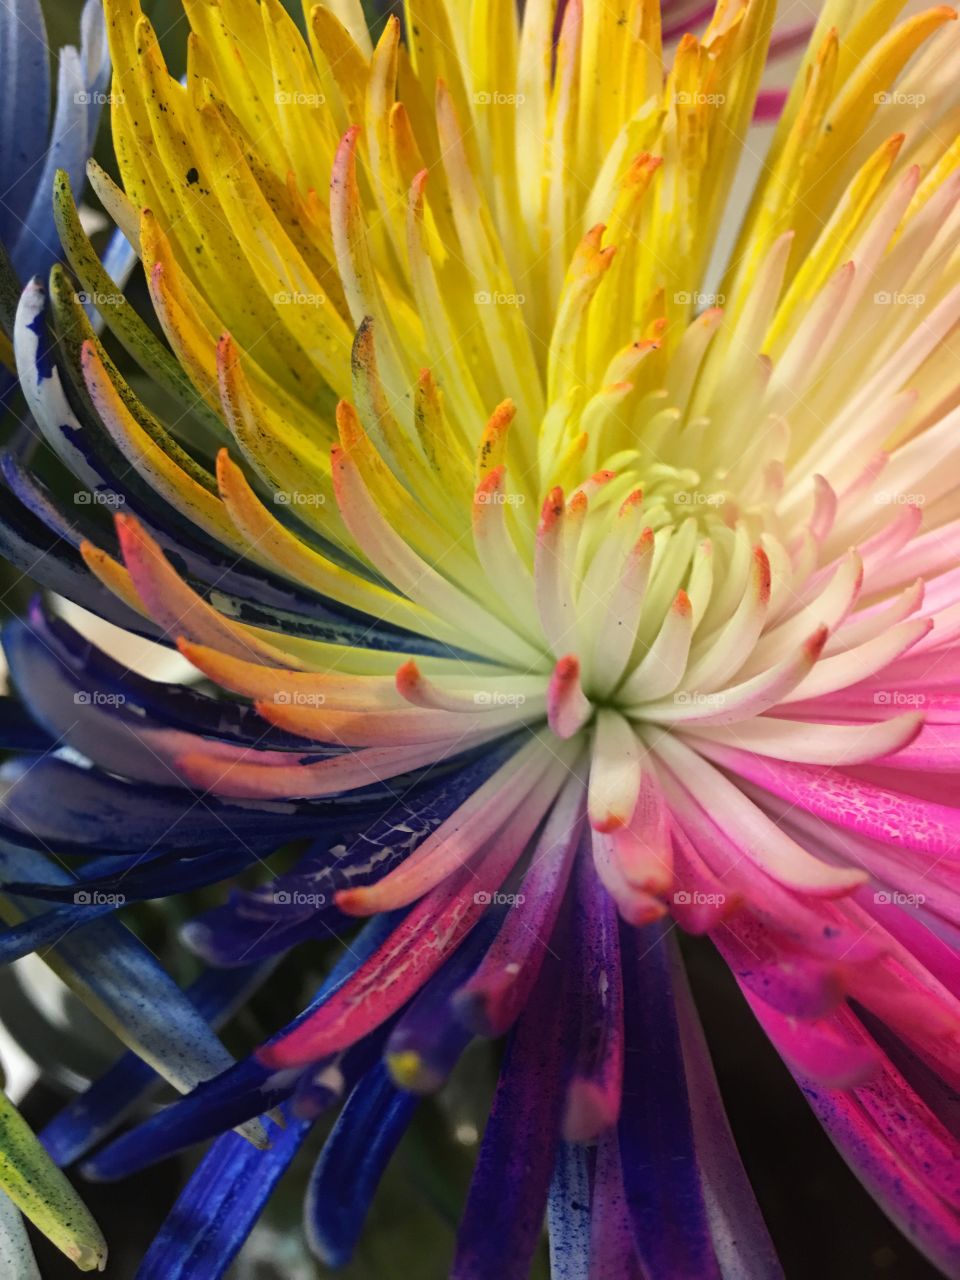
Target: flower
567, 600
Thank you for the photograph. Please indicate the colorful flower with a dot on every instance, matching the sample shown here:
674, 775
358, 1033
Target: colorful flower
568, 597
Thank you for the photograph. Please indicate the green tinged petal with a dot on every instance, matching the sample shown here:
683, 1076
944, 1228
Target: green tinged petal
36, 1186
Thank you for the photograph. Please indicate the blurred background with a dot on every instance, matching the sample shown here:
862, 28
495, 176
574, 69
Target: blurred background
821, 1220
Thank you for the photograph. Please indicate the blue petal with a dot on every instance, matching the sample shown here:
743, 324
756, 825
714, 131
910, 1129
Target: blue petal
508, 1195
37, 244
94, 1114
352, 1162
246, 1089
118, 977
24, 108
661, 1174
48, 928
568, 1214
220, 1204
97, 812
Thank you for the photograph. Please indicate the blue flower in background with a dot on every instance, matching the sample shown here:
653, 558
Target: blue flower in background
38, 137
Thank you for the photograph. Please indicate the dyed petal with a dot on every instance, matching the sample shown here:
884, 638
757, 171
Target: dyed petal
568, 1214
353, 1159
38, 1188
92, 1115
519, 1147
661, 1175
220, 1204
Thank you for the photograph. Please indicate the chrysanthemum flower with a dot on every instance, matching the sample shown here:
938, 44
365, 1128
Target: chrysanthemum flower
571, 601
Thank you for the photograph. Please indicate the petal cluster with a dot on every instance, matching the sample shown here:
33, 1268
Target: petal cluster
565, 601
